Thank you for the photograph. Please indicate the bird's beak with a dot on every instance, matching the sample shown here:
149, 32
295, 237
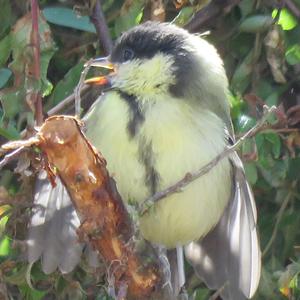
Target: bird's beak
102, 62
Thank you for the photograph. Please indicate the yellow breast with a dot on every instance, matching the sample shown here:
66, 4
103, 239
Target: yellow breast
180, 140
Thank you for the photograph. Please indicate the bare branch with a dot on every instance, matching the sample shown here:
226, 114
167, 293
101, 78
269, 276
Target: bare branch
79, 87
11, 156
61, 105
280, 213
293, 8
190, 177
35, 39
209, 12
98, 19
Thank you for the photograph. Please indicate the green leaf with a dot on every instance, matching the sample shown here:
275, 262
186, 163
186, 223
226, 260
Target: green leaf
286, 19
4, 246
4, 241
9, 132
17, 277
5, 50
5, 17
242, 75
12, 102
255, 24
46, 85
201, 294
292, 55
236, 103
183, 16
30, 294
272, 99
251, 172
276, 143
246, 7
66, 86
129, 16
293, 171
67, 17
245, 123
5, 74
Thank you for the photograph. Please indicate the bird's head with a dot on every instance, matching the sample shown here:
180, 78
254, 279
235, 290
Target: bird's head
157, 58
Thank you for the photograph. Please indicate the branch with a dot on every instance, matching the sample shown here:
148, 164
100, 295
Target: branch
61, 105
35, 40
105, 222
280, 213
190, 177
79, 88
98, 19
11, 156
209, 12
293, 8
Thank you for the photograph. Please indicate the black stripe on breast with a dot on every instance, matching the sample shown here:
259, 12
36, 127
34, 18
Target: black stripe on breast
147, 158
145, 152
136, 115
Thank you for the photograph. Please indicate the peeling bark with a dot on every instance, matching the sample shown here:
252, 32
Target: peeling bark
133, 267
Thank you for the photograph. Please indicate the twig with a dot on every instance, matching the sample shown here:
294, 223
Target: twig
279, 218
217, 293
98, 19
9, 157
61, 105
202, 16
293, 8
189, 177
79, 87
209, 12
35, 39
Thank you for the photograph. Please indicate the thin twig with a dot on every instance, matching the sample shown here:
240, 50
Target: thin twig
217, 293
203, 16
189, 177
293, 8
35, 39
61, 105
279, 218
209, 12
98, 19
79, 87
11, 156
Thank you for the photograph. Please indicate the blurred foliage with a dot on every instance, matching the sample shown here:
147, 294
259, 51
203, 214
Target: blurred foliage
260, 44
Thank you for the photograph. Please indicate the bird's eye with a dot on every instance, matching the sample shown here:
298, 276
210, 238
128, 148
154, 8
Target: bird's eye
127, 54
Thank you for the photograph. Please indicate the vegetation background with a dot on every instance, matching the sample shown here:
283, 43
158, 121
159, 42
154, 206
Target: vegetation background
260, 44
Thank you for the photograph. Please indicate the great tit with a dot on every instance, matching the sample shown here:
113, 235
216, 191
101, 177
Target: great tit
166, 114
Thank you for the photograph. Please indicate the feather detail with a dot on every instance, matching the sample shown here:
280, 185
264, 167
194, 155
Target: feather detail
52, 230
229, 256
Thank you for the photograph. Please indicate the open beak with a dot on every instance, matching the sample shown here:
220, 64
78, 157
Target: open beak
102, 62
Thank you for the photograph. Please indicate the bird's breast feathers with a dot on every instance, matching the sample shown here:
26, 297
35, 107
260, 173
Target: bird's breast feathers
170, 139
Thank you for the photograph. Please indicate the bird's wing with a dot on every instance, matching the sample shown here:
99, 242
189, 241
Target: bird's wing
230, 254
52, 230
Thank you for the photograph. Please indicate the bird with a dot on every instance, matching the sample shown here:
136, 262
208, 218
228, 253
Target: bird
165, 114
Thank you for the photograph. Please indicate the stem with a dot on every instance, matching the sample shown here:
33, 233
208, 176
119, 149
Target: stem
293, 8
279, 218
98, 19
61, 105
35, 40
9, 157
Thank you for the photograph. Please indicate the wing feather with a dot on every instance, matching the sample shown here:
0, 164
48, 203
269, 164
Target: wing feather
230, 254
52, 230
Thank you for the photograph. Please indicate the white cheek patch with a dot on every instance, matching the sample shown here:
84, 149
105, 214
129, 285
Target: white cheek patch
146, 76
